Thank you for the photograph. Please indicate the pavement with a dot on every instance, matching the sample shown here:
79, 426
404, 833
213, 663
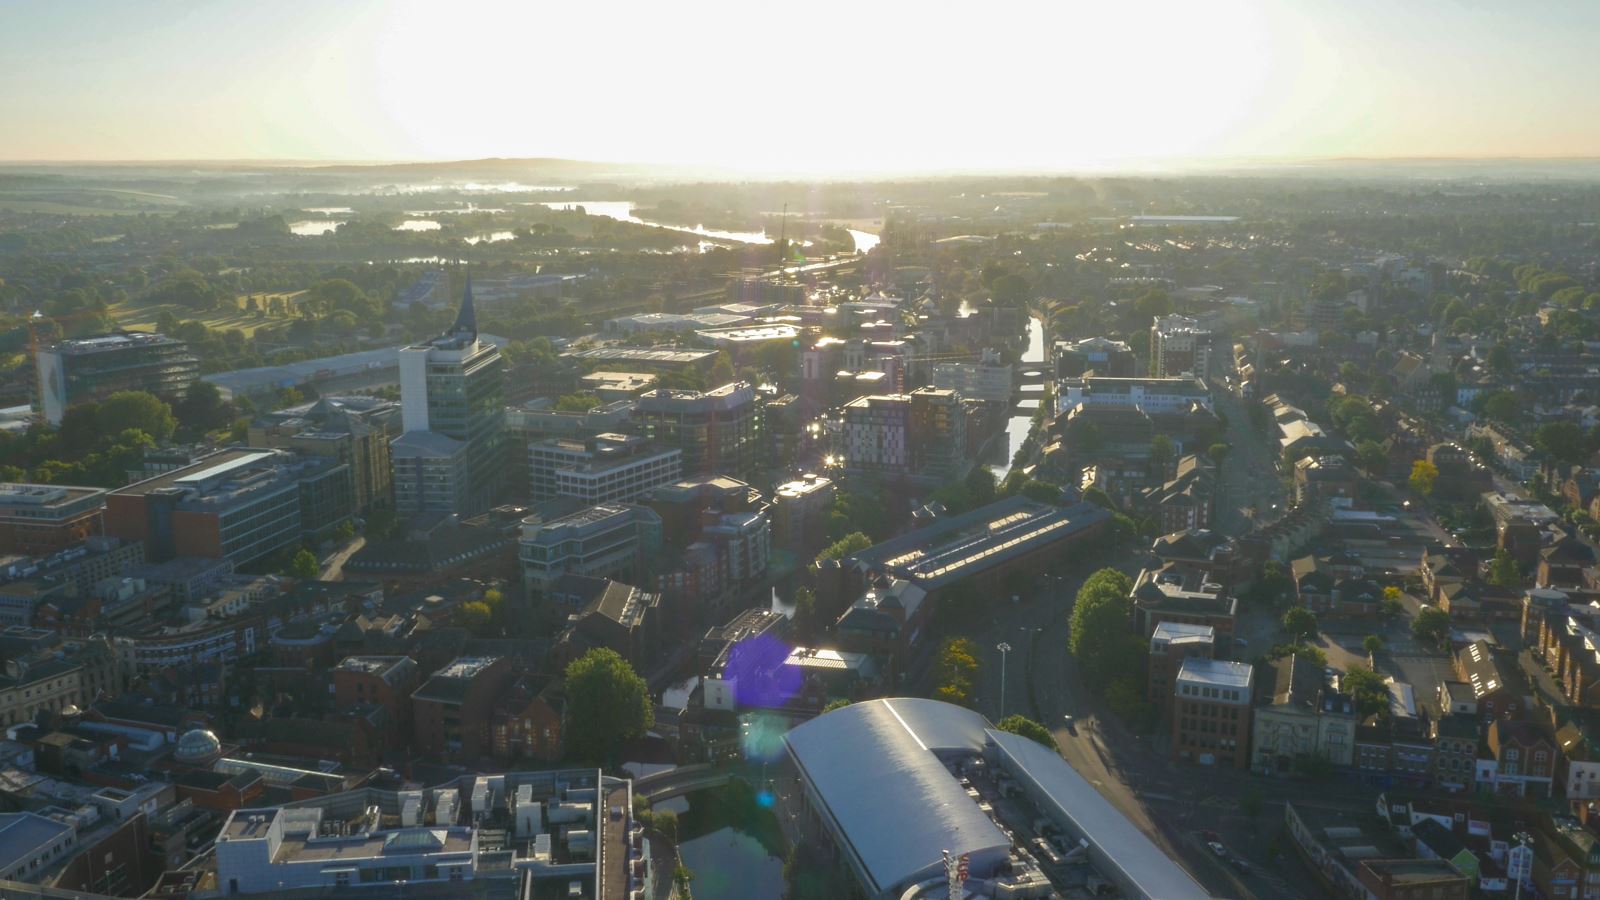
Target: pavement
333, 566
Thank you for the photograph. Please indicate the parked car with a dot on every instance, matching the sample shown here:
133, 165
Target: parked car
1217, 848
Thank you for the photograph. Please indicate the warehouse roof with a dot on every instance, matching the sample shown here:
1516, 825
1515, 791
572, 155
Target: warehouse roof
875, 767
1117, 848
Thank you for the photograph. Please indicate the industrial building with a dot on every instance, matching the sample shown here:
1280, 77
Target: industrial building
895, 782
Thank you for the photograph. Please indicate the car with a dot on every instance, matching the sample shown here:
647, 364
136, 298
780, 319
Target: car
1070, 722
1239, 865
1211, 837
1217, 848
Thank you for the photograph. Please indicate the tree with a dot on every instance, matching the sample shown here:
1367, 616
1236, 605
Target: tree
1154, 302
608, 704
1423, 476
1500, 359
345, 531
805, 612
1011, 289
1503, 571
841, 703
1161, 453
1502, 406
1367, 688
850, 544
955, 670
1371, 456
1562, 440
1100, 616
1431, 626
304, 565
1218, 452
1028, 728
136, 409
1390, 606
202, 408
1300, 623
1271, 585
721, 371
475, 616
576, 402
1372, 644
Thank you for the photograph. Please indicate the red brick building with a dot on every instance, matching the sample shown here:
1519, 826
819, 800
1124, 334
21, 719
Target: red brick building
452, 712
40, 519
1211, 706
383, 681
527, 720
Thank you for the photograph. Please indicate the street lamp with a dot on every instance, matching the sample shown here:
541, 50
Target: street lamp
1004, 648
1524, 859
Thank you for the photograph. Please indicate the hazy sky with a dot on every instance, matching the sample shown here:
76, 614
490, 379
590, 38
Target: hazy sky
810, 86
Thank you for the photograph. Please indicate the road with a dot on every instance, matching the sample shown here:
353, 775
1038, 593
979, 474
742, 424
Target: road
333, 566
1249, 478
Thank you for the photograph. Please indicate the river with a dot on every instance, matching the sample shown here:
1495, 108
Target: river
1018, 426
622, 211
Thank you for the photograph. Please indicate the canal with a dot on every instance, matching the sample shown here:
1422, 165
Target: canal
730, 840
1021, 420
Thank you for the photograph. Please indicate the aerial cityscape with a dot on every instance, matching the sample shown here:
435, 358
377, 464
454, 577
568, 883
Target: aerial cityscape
504, 451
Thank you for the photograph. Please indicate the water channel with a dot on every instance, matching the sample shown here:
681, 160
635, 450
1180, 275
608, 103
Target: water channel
1021, 421
730, 842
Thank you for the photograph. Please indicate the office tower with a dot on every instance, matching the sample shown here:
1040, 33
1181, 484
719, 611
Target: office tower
451, 456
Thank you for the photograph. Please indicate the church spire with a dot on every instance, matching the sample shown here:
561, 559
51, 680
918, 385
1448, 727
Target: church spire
467, 316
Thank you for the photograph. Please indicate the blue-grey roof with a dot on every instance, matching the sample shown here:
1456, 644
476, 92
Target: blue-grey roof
955, 547
876, 768
22, 835
1118, 850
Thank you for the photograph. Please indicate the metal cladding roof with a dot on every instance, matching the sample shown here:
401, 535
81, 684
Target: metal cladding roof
873, 765
1117, 848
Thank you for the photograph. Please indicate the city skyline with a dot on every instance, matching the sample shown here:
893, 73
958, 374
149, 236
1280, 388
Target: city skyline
836, 90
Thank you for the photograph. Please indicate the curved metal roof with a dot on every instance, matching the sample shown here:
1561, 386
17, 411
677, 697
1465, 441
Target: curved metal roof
877, 770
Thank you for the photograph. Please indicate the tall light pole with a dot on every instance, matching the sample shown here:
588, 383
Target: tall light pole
1524, 859
1004, 648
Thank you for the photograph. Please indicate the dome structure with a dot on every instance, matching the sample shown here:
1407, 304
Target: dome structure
198, 748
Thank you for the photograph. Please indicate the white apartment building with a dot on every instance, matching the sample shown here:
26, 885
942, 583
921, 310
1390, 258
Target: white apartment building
875, 433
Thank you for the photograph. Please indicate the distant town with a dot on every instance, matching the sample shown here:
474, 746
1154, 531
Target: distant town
574, 532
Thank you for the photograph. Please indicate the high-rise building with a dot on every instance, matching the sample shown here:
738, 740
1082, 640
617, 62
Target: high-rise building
937, 433
875, 433
1180, 345
450, 457
719, 431
94, 368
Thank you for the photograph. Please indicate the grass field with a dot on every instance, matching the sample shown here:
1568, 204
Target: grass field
143, 317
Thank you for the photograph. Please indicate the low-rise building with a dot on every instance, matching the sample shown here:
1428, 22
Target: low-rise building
1211, 709
1299, 719
609, 540
1170, 644
241, 504
41, 519
608, 468
453, 710
1517, 759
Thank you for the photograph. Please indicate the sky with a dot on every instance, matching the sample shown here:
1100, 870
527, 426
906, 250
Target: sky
815, 87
